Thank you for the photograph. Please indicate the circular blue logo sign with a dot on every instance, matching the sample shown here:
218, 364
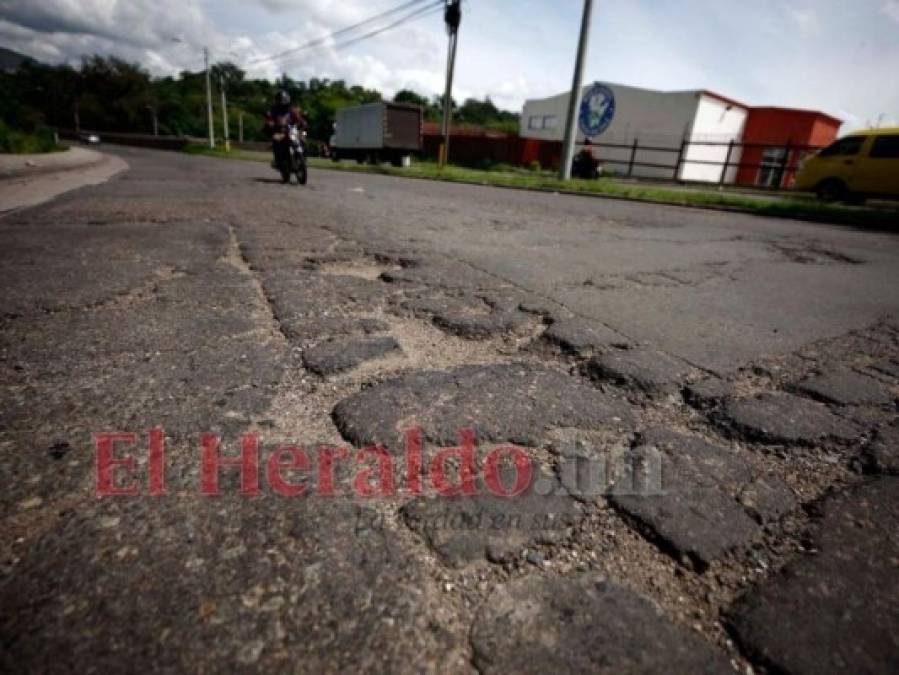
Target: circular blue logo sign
597, 110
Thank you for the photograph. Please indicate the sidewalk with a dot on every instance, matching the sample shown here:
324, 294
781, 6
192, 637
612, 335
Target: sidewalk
28, 180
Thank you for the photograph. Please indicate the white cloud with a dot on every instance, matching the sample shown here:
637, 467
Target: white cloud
847, 53
166, 36
806, 20
136, 22
891, 9
338, 12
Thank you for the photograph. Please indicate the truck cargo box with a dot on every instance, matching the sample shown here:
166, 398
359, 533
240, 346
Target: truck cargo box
377, 131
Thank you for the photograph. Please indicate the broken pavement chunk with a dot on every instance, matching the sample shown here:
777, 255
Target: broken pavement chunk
515, 403
336, 356
583, 624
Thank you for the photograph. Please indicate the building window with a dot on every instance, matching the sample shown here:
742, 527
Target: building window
550, 122
885, 147
771, 170
535, 122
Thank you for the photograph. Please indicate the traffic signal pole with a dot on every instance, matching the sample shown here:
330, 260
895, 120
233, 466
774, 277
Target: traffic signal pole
574, 102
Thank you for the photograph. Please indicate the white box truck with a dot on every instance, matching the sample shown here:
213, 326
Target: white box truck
377, 132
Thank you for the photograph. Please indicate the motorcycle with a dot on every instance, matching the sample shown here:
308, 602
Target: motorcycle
290, 154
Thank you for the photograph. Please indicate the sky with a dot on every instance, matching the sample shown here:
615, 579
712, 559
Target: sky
831, 55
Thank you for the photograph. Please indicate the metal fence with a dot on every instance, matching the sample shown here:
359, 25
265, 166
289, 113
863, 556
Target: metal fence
759, 164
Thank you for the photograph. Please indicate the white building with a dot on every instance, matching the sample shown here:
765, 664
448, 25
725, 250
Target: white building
615, 116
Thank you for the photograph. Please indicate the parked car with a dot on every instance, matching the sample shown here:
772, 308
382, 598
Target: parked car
862, 165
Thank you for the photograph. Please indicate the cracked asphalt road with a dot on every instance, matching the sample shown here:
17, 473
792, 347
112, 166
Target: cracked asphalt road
755, 360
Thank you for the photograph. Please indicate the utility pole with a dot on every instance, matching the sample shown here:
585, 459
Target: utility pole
76, 104
152, 109
452, 15
240, 127
574, 102
225, 115
209, 99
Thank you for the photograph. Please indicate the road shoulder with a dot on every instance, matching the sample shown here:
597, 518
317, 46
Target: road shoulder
29, 180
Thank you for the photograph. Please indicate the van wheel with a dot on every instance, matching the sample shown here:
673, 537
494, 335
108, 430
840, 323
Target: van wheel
832, 190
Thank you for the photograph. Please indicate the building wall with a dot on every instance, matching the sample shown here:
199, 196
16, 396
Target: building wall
554, 109
659, 122
716, 121
803, 130
825, 131
654, 118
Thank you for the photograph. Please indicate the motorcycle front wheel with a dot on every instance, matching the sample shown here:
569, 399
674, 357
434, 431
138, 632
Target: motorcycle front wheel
302, 174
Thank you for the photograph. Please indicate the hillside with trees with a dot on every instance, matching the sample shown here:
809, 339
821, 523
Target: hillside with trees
108, 94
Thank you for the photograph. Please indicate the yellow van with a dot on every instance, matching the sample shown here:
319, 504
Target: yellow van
862, 165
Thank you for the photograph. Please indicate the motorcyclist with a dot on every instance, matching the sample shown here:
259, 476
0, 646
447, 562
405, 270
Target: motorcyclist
281, 114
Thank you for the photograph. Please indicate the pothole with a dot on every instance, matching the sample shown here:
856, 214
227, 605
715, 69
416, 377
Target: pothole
811, 254
361, 269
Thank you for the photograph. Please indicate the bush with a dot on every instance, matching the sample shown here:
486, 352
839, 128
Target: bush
485, 165
535, 166
18, 142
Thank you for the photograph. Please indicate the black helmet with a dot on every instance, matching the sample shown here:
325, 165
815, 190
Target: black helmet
282, 98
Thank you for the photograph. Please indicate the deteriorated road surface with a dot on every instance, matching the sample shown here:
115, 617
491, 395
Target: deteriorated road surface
743, 371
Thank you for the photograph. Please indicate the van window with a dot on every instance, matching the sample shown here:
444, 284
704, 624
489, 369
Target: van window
845, 147
885, 147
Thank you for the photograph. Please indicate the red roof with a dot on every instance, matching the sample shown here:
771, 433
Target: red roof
801, 111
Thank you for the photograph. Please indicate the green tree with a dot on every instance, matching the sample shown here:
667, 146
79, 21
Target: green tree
409, 96
109, 94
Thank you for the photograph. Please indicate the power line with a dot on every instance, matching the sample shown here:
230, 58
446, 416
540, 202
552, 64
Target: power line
324, 40
417, 14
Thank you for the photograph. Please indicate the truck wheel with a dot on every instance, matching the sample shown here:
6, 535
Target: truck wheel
361, 159
832, 190
396, 160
